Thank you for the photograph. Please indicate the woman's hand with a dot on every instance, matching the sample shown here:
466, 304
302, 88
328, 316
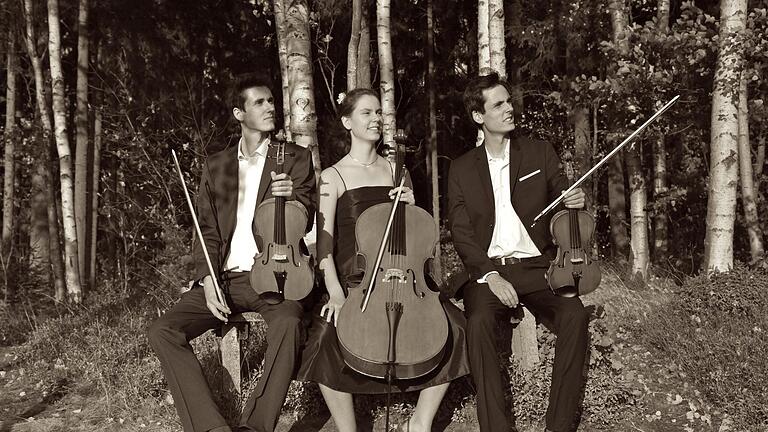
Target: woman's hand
406, 196
333, 308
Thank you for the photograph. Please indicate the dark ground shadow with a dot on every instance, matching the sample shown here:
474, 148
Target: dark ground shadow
60, 389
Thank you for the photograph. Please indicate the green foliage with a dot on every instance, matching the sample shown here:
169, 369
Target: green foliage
714, 329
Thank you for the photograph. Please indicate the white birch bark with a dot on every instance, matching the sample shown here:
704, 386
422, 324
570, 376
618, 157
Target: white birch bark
496, 44
386, 72
81, 149
72, 271
434, 174
282, 51
303, 115
639, 256
748, 193
723, 171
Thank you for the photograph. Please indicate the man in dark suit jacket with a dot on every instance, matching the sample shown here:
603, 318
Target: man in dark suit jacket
494, 192
234, 182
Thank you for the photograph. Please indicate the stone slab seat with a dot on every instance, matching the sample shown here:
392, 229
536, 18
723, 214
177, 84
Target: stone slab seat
229, 346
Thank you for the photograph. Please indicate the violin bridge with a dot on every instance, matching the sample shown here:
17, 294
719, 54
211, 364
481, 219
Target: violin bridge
280, 257
577, 261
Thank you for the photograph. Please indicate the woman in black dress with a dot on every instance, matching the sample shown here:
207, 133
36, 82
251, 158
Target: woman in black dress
358, 181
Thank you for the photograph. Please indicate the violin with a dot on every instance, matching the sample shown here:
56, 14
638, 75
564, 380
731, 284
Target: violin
280, 270
574, 271
392, 324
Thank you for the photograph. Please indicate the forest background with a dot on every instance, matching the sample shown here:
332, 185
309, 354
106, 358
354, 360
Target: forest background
96, 233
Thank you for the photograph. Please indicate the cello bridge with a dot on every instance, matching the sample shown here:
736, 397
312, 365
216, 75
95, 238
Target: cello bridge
394, 274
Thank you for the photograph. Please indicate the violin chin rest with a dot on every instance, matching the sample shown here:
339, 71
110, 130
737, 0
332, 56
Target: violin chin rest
272, 297
567, 291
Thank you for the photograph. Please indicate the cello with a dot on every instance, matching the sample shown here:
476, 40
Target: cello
573, 272
392, 325
280, 270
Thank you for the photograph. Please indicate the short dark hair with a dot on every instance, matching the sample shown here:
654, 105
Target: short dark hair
349, 103
473, 93
241, 83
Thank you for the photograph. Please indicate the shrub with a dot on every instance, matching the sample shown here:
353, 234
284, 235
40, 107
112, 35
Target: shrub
714, 329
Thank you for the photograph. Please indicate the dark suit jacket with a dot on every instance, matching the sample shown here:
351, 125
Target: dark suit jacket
471, 208
217, 198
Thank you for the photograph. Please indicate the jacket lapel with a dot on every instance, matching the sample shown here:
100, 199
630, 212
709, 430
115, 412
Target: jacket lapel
484, 173
266, 178
515, 156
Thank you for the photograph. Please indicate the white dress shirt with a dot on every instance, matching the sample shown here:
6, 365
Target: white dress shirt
243, 246
510, 238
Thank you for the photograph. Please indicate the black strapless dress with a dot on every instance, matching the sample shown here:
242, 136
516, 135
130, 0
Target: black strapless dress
322, 361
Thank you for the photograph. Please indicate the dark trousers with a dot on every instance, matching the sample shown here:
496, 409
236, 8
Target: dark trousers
189, 318
568, 320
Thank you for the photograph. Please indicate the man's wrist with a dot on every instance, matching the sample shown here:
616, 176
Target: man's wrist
484, 279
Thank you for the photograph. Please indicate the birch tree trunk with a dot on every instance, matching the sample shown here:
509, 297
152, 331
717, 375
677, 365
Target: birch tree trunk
9, 175
662, 16
386, 72
81, 143
95, 193
45, 162
282, 51
364, 48
723, 171
72, 271
432, 142
616, 194
582, 142
483, 37
303, 115
748, 193
353, 47
638, 254
660, 189
496, 42
660, 231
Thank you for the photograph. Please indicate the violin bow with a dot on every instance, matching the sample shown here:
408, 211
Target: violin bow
380, 255
605, 159
217, 289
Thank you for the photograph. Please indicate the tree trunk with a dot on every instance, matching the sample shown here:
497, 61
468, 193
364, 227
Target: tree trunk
660, 242
638, 256
760, 158
721, 204
582, 143
303, 115
282, 50
660, 231
483, 37
95, 194
748, 194
432, 142
387, 72
74, 290
9, 175
81, 143
662, 16
364, 48
45, 162
617, 206
354, 44
496, 43
39, 249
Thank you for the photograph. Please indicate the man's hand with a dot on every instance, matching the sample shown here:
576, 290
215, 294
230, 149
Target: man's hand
218, 310
575, 199
503, 290
282, 185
